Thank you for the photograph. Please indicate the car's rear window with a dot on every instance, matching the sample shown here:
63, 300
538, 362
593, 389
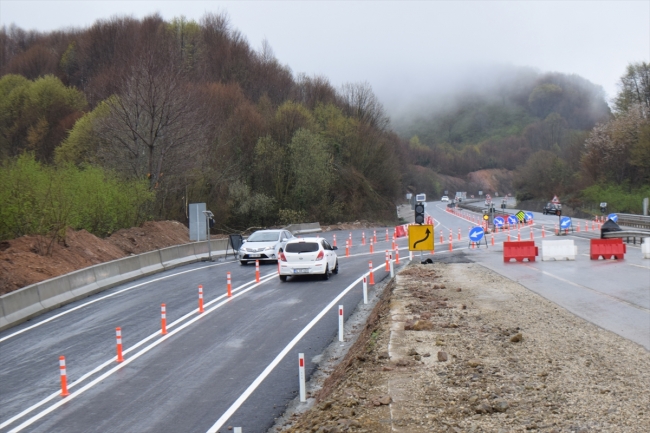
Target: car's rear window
302, 247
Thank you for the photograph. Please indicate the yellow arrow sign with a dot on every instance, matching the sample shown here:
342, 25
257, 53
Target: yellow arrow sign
421, 237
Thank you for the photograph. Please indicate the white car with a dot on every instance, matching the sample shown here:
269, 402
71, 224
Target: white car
308, 256
264, 245
444, 198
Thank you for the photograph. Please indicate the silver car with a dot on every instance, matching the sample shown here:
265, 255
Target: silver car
264, 245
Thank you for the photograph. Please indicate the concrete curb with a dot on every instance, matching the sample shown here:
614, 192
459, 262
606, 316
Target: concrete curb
23, 304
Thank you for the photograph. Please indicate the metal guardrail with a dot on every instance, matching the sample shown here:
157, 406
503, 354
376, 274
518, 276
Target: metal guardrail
636, 221
627, 234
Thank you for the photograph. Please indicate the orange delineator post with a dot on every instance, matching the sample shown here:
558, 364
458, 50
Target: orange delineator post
371, 279
578, 227
543, 232
163, 319
518, 235
228, 284
363, 238
350, 239
459, 233
334, 241
118, 338
441, 238
372, 249
451, 247
492, 240
257, 271
386, 235
607, 248
557, 230
397, 256
200, 298
532, 237
520, 251
387, 259
374, 236
64, 378
347, 249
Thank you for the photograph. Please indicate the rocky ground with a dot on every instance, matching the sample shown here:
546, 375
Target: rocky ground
455, 347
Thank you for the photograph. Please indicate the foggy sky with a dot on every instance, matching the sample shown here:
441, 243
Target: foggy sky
407, 51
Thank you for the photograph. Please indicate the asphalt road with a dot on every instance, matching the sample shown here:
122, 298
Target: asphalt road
187, 380
236, 364
613, 294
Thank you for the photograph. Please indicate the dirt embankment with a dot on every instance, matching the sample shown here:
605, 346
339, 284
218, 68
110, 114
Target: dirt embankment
21, 263
458, 348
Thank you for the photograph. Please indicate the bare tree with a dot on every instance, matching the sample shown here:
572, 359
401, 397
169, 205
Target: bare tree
361, 103
155, 125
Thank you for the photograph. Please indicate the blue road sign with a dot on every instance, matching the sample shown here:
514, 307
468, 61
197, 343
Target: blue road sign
529, 216
565, 223
499, 222
512, 220
613, 217
476, 234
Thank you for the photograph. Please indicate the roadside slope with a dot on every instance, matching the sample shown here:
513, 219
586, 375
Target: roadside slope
460, 348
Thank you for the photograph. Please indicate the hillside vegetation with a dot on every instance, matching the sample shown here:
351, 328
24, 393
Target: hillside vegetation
555, 131
128, 120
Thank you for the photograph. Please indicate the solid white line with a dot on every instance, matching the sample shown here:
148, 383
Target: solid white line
102, 298
247, 393
130, 349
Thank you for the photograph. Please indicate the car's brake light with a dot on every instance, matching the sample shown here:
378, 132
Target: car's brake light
320, 255
282, 257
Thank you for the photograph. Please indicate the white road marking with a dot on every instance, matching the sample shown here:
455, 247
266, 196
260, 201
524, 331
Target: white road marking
247, 393
130, 349
102, 298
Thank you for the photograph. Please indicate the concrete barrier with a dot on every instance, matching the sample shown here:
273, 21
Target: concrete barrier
298, 229
559, 250
30, 301
150, 262
178, 255
645, 248
20, 306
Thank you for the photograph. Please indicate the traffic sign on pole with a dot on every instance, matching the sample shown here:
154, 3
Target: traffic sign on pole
420, 237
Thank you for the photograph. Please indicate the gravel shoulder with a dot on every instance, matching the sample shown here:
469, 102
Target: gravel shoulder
456, 347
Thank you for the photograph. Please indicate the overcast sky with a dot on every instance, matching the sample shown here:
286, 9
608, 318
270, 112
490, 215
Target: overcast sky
403, 49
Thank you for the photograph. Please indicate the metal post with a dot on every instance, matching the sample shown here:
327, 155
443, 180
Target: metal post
208, 215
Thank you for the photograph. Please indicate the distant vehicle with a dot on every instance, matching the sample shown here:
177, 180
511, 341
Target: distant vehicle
444, 198
308, 256
264, 245
552, 208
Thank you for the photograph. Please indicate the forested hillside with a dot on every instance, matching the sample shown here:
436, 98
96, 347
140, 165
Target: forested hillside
104, 127
193, 113
555, 131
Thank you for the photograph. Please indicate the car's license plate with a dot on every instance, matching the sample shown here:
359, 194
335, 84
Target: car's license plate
254, 255
301, 271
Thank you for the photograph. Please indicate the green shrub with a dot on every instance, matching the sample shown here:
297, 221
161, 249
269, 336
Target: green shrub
619, 198
36, 199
